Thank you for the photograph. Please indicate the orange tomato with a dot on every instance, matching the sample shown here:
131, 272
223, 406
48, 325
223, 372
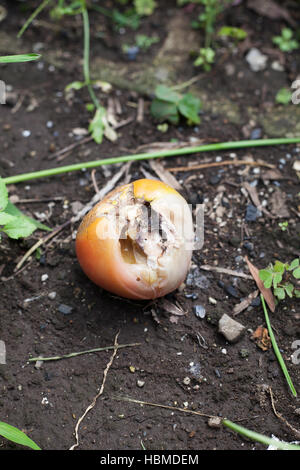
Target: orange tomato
137, 242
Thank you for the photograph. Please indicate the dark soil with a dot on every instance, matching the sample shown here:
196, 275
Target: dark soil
227, 380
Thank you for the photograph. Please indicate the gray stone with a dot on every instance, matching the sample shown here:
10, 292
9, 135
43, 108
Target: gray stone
256, 60
230, 329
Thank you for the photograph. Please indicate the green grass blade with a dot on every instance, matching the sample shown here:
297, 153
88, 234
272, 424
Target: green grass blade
36, 12
254, 436
276, 349
8, 59
15, 435
148, 156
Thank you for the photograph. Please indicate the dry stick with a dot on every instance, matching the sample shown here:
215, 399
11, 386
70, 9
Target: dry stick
168, 407
225, 162
207, 267
80, 353
98, 394
295, 431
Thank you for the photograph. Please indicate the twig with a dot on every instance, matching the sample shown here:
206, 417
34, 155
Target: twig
206, 267
96, 188
40, 242
66, 356
168, 407
213, 164
295, 431
116, 346
98, 196
140, 110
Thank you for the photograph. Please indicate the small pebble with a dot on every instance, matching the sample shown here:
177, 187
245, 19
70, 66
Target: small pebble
256, 302
199, 311
49, 124
26, 133
215, 422
232, 291
65, 309
140, 383
256, 134
52, 295
230, 329
44, 277
244, 353
132, 52
252, 213
249, 246
186, 381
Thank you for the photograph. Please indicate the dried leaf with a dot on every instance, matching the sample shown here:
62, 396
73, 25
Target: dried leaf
278, 204
165, 175
171, 308
245, 303
267, 293
271, 10
262, 338
255, 199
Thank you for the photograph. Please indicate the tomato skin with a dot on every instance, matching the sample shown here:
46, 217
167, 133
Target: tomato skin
101, 256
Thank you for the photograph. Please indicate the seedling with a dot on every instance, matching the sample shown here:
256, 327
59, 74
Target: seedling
283, 96
282, 278
99, 125
205, 58
237, 34
283, 225
168, 105
286, 42
12, 221
144, 7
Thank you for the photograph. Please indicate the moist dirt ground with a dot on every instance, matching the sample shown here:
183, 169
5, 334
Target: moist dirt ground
173, 357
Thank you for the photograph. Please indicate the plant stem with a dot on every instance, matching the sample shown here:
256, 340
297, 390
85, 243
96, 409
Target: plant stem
147, 156
259, 437
86, 55
36, 12
276, 349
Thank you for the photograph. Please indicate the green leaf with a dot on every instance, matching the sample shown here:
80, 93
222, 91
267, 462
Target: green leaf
296, 273
286, 33
277, 278
144, 7
189, 106
164, 111
13, 210
289, 289
97, 125
294, 264
297, 293
233, 32
280, 293
18, 58
283, 96
77, 85
3, 195
265, 274
5, 218
279, 267
19, 227
165, 93
15, 435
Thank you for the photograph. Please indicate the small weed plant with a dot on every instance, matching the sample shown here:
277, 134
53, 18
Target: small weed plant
168, 105
286, 41
282, 278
